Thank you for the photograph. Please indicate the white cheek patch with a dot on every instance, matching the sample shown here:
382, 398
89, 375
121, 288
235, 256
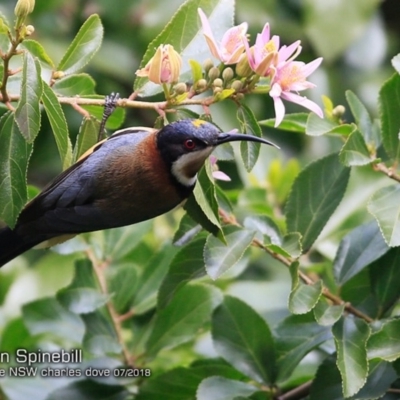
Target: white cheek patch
181, 167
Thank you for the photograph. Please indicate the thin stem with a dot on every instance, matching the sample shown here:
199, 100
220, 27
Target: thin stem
297, 393
99, 268
287, 261
381, 167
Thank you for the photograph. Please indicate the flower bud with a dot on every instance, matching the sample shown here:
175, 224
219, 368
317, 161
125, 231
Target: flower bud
213, 73
164, 67
227, 74
180, 88
237, 86
29, 30
338, 111
201, 84
58, 74
243, 68
24, 7
217, 89
218, 82
208, 64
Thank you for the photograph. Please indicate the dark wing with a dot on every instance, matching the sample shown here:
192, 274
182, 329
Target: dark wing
67, 205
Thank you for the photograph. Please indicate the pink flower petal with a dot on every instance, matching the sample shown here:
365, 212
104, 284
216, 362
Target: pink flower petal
279, 110
309, 68
212, 44
221, 176
304, 102
286, 51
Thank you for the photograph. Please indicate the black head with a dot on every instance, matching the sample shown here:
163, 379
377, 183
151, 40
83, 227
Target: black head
185, 145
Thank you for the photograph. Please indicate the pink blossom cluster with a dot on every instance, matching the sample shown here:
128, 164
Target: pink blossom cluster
267, 58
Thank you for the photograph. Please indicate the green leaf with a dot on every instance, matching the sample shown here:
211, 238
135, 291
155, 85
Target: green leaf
197, 70
219, 256
181, 383
290, 245
184, 33
396, 63
327, 314
219, 388
75, 85
361, 115
296, 336
183, 317
385, 344
38, 51
151, 281
385, 278
14, 158
264, 227
359, 248
27, 113
389, 104
351, 335
302, 298
248, 346
202, 206
384, 205
47, 316
89, 390
355, 152
292, 122
327, 384
122, 285
87, 137
187, 230
58, 125
316, 193
81, 300
249, 125
188, 264
317, 126
84, 46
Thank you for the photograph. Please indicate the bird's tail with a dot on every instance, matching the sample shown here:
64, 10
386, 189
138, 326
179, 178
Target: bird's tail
12, 245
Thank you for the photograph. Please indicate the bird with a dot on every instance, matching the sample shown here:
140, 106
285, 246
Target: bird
135, 174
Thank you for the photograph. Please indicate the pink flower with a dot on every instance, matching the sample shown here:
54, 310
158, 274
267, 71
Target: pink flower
164, 67
231, 47
291, 77
216, 173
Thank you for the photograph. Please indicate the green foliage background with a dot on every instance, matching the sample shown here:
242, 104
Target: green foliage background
257, 330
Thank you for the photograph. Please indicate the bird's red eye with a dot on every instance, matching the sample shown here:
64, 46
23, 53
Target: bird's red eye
190, 144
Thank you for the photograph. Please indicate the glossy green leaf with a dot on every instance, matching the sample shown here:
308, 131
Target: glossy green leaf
302, 298
326, 314
152, 279
265, 228
181, 383
89, 390
184, 33
181, 319
75, 85
396, 63
48, 316
292, 123
316, 193
87, 137
349, 18
295, 337
243, 338
385, 278
384, 205
14, 158
385, 343
38, 51
317, 126
249, 125
122, 285
351, 335
82, 300
327, 384
27, 113
188, 264
389, 105
358, 249
219, 388
219, 256
84, 46
58, 125
197, 70
202, 206
290, 245
187, 230
355, 152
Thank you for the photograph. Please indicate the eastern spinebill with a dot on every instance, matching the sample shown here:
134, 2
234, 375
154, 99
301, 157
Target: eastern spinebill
134, 175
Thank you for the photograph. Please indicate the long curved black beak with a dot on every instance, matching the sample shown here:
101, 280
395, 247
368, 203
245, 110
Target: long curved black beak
233, 137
